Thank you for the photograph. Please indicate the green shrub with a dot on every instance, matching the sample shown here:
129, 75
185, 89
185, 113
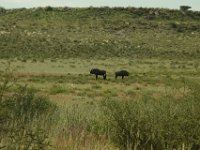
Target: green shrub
125, 123
27, 104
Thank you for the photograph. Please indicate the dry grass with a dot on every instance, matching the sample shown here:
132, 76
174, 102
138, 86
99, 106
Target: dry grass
63, 82
77, 139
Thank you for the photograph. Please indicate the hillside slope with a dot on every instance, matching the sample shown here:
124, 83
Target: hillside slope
99, 32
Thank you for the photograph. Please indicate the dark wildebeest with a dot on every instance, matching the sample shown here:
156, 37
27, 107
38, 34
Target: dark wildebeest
97, 72
121, 73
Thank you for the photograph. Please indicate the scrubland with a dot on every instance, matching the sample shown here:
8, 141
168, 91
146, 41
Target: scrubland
48, 99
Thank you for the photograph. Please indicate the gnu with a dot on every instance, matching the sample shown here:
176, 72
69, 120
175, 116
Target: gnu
121, 73
98, 72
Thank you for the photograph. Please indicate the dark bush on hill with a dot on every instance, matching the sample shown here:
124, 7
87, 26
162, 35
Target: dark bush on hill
2, 10
185, 8
48, 8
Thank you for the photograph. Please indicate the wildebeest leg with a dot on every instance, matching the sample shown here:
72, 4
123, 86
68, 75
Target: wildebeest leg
122, 77
96, 76
104, 76
115, 76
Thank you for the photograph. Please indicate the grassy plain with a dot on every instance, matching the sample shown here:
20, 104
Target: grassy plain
69, 79
52, 51
79, 121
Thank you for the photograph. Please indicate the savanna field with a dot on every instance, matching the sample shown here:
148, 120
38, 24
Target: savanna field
49, 99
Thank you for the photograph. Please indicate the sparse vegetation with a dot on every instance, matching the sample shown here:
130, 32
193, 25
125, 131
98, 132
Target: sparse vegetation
99, 32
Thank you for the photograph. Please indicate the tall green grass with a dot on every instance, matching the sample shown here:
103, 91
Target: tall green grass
168, 123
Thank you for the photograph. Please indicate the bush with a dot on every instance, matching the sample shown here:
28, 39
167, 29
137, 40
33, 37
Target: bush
24, 119
128, 124
27, 106
159, 124
185, 8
